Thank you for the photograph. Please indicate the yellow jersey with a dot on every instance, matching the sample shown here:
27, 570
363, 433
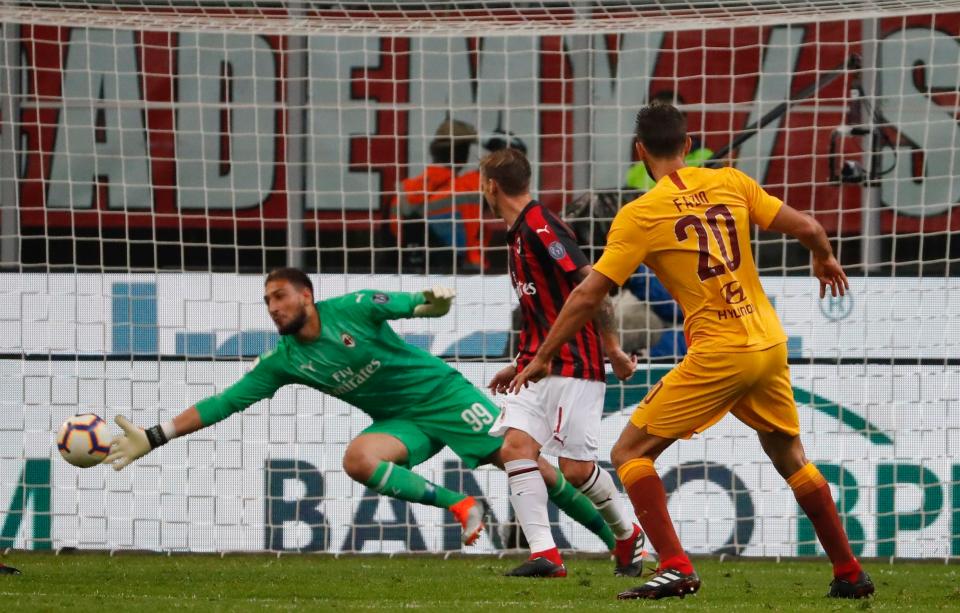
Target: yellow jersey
693, 230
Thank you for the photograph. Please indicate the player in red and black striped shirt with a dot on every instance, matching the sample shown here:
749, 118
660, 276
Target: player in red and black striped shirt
559, 415
544, 262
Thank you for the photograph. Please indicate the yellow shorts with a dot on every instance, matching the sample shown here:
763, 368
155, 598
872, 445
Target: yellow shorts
698, 392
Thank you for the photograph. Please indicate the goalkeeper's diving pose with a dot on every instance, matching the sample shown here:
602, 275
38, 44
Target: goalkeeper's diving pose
419, 404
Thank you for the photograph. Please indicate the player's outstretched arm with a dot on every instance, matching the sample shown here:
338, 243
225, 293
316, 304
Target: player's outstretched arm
438, 301
811, 235
135, 442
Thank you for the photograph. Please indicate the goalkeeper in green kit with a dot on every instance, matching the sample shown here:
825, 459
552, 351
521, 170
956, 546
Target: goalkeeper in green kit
344, 347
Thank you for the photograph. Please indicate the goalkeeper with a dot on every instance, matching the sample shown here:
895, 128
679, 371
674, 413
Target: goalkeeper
344, 347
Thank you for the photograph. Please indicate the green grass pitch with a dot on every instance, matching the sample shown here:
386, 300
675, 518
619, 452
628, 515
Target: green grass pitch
136, 582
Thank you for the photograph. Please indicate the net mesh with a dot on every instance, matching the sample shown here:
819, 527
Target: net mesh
156, 158
453, 17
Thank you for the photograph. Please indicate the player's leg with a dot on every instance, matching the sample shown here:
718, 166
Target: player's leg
524, 429
813, 495
529, 496
464, 427
627, 539
633, 455
689, 399
568, 499
378, 458
461, 419
574, 407
771, 411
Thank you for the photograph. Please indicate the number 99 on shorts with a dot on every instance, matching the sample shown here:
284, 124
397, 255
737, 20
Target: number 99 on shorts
477, 416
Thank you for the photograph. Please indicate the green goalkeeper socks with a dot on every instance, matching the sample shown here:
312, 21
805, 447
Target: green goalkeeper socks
572, 502
398, 482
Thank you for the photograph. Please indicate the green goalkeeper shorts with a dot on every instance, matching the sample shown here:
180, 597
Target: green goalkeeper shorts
459, 418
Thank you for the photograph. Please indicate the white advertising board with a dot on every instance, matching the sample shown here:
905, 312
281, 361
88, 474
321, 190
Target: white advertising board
270, 478
223, 315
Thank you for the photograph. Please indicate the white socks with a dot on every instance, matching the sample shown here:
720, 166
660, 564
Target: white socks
599, 488
528, 495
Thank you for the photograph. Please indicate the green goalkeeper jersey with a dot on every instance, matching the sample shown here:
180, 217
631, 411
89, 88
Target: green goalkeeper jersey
357, 358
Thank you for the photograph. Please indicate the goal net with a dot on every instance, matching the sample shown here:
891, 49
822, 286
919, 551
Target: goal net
157, 158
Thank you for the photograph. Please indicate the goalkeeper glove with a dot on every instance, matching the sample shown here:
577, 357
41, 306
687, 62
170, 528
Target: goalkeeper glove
438, 302
134, 443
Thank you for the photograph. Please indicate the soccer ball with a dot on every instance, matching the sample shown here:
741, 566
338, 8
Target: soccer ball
84, 440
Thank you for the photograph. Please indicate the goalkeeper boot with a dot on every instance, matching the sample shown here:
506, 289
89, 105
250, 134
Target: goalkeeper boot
861, 588
666, 582
470, 513
541, 565
629, 554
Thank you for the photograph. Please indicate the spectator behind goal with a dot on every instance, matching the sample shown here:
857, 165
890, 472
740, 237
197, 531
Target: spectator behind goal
436, 215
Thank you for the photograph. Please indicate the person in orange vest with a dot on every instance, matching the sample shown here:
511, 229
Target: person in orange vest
479, 223
436, 216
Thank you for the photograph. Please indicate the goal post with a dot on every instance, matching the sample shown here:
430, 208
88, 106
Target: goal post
157, 158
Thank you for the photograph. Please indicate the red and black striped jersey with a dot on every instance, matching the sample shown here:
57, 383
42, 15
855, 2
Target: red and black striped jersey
543, 257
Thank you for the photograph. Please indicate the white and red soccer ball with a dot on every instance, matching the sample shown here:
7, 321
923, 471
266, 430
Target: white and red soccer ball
84, 440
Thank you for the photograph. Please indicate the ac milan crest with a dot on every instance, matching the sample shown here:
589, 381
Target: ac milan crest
348, 340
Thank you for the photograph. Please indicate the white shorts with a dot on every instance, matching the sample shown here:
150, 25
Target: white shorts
561, 413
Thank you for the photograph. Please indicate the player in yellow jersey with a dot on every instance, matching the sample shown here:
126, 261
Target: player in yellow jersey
693, 230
